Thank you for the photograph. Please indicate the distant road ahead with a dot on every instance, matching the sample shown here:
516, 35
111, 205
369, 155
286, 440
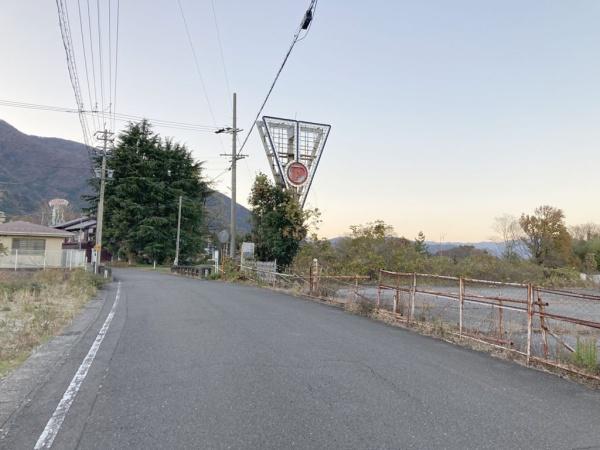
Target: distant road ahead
198, 364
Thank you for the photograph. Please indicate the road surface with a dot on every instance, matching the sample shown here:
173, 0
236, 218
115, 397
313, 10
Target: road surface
199, 364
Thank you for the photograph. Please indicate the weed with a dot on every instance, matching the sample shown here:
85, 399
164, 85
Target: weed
586, 354
362, 307
38, 306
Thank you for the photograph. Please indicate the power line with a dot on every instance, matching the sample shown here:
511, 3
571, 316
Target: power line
304, 25
87, 76
110, 100
95, 106
212, 180
100, 58
197, 64
116, 60
118, 116
221, 50
65, 30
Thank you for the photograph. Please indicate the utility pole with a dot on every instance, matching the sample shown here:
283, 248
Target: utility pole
105, 136
176, 262
233, 178
234, 158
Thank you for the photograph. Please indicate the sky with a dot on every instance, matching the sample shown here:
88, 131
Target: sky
444, 115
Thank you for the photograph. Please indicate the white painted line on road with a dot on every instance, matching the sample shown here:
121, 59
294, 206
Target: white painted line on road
53, 426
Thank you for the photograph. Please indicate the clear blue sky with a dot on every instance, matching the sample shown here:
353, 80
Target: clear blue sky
445, 114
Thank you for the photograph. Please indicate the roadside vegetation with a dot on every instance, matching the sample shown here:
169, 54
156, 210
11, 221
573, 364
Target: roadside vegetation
536, 248
279, 224
35, 307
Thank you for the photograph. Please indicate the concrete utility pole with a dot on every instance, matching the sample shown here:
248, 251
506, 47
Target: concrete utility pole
233, 177
176, 262
105, 136
234, 158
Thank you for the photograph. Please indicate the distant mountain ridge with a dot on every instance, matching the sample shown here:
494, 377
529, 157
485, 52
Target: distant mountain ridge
34, 170
492, 247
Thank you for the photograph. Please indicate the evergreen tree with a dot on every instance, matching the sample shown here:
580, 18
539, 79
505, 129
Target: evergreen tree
141, 199
420, 245
279, 223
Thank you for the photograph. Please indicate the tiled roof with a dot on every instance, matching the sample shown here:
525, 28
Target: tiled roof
21, 228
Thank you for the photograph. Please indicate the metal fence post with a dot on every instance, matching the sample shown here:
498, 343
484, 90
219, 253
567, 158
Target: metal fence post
461, 303
310, 278
413, 291
44, 259
397, 295
529, 319
379, 289
500, 320
16, 259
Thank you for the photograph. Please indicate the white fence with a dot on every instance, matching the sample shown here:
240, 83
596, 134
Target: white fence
65, 259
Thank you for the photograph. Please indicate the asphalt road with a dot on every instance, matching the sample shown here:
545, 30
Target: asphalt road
198, 364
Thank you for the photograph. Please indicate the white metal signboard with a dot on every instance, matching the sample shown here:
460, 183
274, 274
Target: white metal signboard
294, 149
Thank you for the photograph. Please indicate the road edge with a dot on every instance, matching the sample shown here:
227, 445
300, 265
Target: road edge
18, 387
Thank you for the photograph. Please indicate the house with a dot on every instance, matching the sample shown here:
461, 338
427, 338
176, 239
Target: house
83, 234
83, 237
32, 245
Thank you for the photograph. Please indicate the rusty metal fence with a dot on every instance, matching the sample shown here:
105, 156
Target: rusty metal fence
555, 327
551, 326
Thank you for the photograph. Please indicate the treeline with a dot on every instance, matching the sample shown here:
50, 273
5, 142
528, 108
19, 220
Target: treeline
536, 248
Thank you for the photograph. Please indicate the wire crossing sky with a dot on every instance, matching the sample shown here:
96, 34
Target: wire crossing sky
444, 114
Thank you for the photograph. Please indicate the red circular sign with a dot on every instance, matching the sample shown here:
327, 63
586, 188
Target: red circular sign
297, 173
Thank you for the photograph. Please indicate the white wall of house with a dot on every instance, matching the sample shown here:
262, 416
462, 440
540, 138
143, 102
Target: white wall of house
53, 253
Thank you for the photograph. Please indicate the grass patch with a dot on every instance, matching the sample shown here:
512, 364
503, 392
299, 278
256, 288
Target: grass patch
36, 306
586, 354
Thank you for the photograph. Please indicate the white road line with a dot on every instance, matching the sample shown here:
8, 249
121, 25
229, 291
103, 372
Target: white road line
53, 426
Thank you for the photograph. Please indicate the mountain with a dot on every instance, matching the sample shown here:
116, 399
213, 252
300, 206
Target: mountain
34, 170
218, 206
493, 248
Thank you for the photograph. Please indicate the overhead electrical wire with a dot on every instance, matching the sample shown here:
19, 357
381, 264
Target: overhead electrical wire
118, 116
196, 63
87, 76
221, 50
95, 105
304, 26
65, 29
103, 110
110, 105
116, 63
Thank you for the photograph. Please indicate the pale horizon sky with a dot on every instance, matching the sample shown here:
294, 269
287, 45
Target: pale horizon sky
444, 114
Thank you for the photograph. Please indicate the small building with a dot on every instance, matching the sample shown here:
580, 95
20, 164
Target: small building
83, 236
29, 245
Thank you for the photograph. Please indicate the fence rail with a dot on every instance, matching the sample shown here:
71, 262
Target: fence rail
551, 326
556, 327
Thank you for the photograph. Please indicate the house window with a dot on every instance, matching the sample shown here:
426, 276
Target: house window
29, 246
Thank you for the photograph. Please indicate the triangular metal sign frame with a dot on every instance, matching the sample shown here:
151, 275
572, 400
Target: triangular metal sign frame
290, 142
